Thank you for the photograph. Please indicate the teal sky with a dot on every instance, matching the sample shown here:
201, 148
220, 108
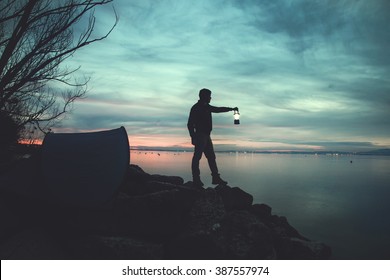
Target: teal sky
306, 75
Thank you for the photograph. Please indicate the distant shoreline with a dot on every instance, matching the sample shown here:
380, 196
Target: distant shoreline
25, 148
383, 152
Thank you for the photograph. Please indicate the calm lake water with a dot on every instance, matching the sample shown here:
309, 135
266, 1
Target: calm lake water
342, 201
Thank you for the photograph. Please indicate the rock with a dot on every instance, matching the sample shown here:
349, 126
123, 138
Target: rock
139, 182
10, 219
135, 179
234, 198
262, 211
197, 239
228, 235
243, 236
199, 245
156, 215
174, 180
157, 186
152, 217
87, 221
278, 224
115, 248
136, 173
32, 244
282, 228
207, 211
299, 249
289, 243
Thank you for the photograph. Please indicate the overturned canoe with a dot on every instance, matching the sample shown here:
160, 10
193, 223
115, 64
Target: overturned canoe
85, 169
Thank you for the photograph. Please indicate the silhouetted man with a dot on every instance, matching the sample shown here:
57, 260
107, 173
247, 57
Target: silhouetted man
200, 126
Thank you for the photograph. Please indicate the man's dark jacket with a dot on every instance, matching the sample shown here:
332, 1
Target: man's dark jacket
200, 120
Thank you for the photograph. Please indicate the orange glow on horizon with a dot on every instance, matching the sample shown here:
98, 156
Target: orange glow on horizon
30, 142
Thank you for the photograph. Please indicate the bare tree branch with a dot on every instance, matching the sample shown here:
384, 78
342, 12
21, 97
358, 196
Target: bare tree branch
36, 37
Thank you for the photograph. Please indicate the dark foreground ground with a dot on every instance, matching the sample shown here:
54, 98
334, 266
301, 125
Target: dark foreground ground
150, 217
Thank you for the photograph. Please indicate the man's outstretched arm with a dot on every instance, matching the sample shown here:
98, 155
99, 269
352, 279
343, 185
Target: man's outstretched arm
222, 109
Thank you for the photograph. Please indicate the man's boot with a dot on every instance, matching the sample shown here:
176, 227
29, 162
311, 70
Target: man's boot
217, 180
197, 182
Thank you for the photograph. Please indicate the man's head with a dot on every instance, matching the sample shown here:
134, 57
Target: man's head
205, 95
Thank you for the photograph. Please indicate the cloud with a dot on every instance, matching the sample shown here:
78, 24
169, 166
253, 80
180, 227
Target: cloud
302, 72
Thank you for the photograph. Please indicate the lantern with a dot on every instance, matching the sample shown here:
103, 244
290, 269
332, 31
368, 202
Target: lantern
236, 115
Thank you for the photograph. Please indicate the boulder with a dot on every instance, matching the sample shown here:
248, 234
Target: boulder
174, 180
134, 181
289, 243
213, 233
207, 212
157, 215
197, 239
198, 245
114, 248
157, 186
262, 211
11, 219
243, 236
138, 182
299, 249
234, 198
281, 227
86, 221
37, 243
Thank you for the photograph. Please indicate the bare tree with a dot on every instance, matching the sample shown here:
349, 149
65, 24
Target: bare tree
36, 37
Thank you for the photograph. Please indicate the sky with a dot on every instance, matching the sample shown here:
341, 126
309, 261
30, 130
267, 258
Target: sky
305, 75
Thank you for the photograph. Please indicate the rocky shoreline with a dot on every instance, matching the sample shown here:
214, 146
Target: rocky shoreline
152, 217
